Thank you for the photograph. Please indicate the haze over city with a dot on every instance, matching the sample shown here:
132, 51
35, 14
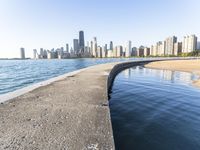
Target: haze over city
34, 24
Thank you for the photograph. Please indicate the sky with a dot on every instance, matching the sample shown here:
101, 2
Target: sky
48, 24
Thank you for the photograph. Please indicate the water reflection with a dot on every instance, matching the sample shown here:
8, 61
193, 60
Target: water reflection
155, 110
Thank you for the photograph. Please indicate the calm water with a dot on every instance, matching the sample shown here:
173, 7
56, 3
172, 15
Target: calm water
155, 110
15, 74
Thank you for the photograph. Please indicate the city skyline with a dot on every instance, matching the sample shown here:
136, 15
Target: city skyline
48, 24
171, 46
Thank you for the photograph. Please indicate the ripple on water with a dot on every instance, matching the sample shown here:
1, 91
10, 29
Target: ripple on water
155, 110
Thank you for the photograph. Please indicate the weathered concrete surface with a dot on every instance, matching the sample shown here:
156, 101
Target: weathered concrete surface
68, 114
71, 113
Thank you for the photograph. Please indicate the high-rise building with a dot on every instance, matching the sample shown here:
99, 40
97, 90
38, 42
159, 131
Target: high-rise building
35, 54
146, 51
76, 46
119, 51
189, 44
67, 48
104, 51
177, 48
160, 49
99, 52
110, 54
22, 53
49, 54
198, 45
134, 51
115, 51
94, 47
111, 45
141, 51
169, 45
128, 49
81, 42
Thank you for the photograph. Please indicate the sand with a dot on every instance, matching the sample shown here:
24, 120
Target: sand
191, 66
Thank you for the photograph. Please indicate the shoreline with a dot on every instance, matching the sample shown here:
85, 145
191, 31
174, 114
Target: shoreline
70, 111
14, 94
66, 112
190, 66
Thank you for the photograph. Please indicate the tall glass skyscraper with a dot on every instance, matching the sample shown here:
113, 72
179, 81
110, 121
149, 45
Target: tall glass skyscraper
22, 53
81, 41
76, 46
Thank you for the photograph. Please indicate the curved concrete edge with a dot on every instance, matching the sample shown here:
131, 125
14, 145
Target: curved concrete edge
22, 91
120, 67
116, 69
11, 95
125, 65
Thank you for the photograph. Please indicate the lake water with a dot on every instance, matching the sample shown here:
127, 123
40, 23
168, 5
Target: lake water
155, 110
16, 74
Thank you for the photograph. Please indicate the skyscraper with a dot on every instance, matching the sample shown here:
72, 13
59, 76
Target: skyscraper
35, 54
22, 53
111, 45
81, 42
189, 44
99, 52
128, 49
119, 51
177, 48
67, 48
76, 46
94, 47
169, 45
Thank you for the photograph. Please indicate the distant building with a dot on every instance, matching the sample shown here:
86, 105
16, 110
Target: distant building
198, 45
146, 51
110, 54
160, 48
22, 53
67, 48
76, 46
49, 55
141, 51
41, 53
104, 51
189, 44
115, 51
94, 47
119, 51
81, 42
111, 45
35, 54
169, 45
128, 49
177, 48
99, 52
134, 51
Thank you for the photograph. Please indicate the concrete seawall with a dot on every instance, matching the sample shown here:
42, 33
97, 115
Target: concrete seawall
122, 66
67, 112
125, 65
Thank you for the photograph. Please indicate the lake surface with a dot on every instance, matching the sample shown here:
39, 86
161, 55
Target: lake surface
155, 110
16, 74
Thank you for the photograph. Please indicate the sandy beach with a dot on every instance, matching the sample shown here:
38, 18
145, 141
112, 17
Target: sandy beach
191, 66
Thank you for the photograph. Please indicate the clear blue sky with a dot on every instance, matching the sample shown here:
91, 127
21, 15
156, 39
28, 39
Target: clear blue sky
52, 23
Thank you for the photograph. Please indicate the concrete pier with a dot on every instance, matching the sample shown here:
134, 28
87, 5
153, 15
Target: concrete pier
71, 113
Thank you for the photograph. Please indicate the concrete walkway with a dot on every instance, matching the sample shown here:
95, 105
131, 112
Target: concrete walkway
72, 114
